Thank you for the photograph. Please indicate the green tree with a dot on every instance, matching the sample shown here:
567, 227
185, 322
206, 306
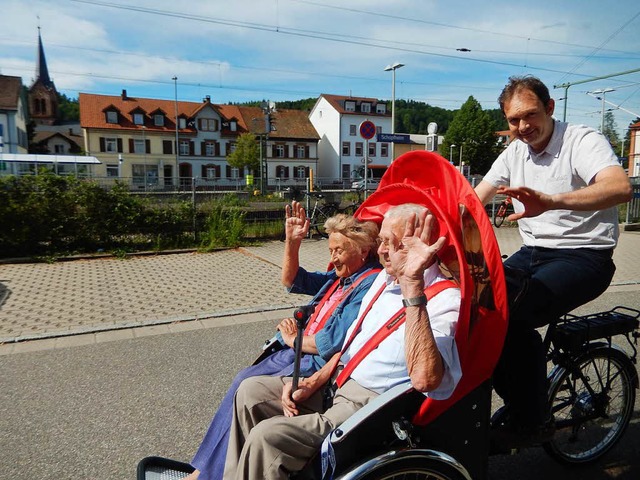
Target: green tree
246, 154
473, 130
68, 108
610, 130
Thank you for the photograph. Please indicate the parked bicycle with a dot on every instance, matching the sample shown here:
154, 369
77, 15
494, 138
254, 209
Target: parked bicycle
319, 212
505, 208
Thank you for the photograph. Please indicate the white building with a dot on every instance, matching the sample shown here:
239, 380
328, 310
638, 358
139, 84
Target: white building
13, 116
342, 149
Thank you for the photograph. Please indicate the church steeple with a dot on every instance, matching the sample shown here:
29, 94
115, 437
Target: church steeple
42, 72
43, 96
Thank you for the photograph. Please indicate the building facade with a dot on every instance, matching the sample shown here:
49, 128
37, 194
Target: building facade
138, 140
13, 116
342, 150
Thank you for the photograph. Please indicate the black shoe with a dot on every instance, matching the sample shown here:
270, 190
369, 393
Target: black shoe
508, 437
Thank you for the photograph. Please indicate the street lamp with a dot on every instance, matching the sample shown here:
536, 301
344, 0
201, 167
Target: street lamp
603, 92
175, 83
451, 153
393, 69
461, 158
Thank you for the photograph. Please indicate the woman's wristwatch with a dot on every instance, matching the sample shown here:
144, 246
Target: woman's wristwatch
415, 301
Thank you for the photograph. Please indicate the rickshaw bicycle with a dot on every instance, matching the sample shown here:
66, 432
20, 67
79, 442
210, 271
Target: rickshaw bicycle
403, 434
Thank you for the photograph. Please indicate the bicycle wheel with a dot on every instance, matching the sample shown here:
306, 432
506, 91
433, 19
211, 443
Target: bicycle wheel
349, 209
592, 407
418, 467
322, 214
500, 215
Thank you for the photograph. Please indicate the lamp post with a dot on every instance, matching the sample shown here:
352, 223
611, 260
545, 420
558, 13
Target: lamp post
461, 158
392, 69
603, 92
175, 87
451, 153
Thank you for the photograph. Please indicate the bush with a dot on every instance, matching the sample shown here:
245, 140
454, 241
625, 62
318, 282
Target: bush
224, 228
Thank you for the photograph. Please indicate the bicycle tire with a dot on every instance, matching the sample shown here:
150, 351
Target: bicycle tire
500, 215
589, 425
418, 467
322, 214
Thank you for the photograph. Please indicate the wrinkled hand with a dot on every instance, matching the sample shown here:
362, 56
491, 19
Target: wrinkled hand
414, 254
288, 330
534, 202
289, 406
296, 225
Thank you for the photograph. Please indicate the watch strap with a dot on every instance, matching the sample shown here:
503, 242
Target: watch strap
415, 301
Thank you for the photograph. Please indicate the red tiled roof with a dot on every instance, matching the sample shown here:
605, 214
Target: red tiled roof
289, 124
9, 92
337, 102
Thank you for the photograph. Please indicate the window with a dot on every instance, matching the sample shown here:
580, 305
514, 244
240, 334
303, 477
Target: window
144, 174
282, 171
301, 172
158, 120
381, 108
301, 151
138, 146
182, 123
350, 106
112, 170
365, 107
235, 172
359, 149
352, 130
185, 147
346, 149
138, 118
346, 171
378, 130
279, 151
372, 149
384, 149
233, 126
110, 144
58, 148
112, 117
209, 171
167, 147
209, 124
232, 148
210, 149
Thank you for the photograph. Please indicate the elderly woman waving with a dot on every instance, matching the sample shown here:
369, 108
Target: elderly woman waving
337, 297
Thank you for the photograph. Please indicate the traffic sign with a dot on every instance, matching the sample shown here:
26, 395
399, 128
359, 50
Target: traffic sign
367, 130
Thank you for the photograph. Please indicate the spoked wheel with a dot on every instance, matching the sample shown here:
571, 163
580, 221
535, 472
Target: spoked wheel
414, 467
498, 220
592, 409
321, 217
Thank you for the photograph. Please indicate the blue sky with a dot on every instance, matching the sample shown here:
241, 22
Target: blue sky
278, 50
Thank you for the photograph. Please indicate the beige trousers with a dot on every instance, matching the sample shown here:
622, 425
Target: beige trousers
264, 444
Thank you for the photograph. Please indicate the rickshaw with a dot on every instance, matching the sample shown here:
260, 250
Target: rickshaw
402, 433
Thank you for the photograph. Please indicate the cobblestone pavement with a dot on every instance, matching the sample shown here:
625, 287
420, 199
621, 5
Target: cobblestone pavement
42, 300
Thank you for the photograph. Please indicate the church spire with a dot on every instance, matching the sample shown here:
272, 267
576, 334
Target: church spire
42, 72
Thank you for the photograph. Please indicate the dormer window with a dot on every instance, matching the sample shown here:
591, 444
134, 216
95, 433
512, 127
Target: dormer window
182, 122
381, 108
138, 119
112, 116
350, 106
365, 107
233, 125
158, 120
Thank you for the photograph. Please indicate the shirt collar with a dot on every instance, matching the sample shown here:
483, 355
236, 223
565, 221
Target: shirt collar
555, 142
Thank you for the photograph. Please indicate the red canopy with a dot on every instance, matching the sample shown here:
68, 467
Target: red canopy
471, 255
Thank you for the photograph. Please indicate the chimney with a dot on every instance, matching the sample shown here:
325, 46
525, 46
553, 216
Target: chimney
71, 131
124, 94
207, 99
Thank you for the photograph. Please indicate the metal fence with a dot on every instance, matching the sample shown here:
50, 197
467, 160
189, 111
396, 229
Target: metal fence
633, 207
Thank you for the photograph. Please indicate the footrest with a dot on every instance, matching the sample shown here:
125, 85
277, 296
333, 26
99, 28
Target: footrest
574, 331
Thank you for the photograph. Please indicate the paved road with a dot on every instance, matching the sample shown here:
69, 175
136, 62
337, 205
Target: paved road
91, 405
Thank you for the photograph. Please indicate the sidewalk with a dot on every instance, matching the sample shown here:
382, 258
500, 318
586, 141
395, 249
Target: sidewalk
48, 301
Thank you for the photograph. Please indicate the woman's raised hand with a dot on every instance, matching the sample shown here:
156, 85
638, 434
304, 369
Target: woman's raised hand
296, 225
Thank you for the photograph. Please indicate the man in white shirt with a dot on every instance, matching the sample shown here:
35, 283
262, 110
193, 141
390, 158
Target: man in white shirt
565, 182
275, 432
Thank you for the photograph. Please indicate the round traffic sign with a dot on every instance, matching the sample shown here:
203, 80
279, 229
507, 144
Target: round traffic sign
367, 130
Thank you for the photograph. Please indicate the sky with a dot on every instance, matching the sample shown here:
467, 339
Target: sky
277, 50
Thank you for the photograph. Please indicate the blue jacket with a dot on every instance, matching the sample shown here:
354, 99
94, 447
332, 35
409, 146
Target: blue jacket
330, 338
